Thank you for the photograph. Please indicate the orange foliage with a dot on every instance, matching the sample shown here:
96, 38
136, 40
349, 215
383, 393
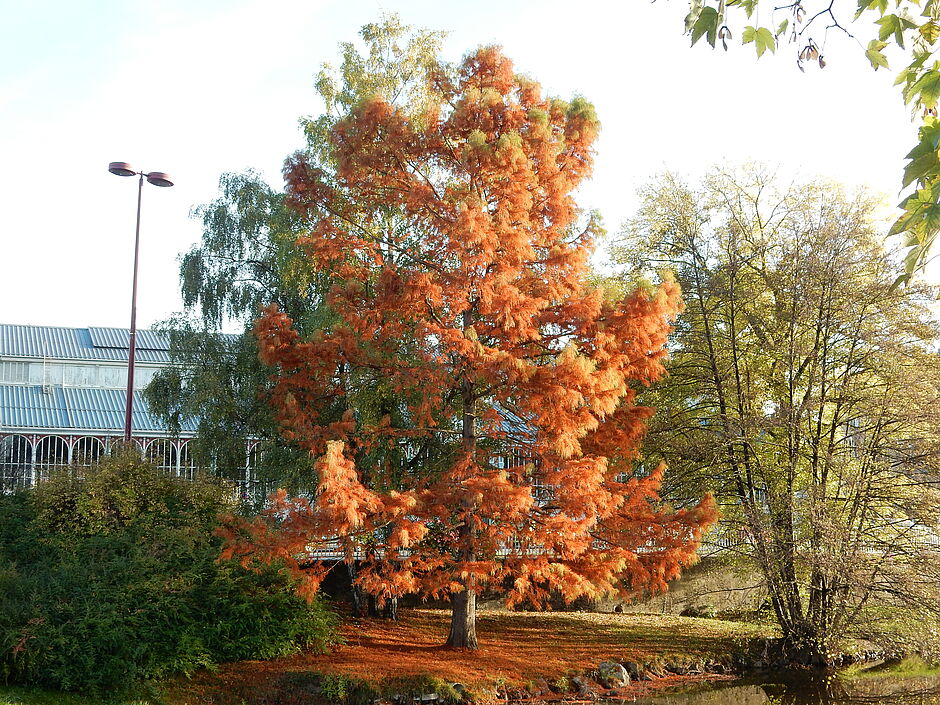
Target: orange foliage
516, 647
459, 259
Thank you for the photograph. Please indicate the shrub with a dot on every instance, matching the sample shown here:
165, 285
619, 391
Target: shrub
412, 687
111, 577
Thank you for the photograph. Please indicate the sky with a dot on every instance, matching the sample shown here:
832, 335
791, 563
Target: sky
197, 89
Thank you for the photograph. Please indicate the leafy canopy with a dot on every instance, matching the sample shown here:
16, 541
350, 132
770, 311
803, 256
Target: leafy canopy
248, 258
911, 25
802, 391
457, 261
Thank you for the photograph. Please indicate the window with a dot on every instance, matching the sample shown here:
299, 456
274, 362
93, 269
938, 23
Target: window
81, 376
14, 372
162, 453
16, 463
53, 374
143, 376
52, 452
187, 467
87, 451
112, 377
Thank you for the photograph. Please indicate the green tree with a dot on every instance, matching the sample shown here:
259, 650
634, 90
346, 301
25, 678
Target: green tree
911, 25
248, 259
803, 392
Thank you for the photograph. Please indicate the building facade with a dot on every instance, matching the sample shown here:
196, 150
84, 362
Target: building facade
63, 394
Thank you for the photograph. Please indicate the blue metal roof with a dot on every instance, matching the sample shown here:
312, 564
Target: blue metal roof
26, 408
52, 342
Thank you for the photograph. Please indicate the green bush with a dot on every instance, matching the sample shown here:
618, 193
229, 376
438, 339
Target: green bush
112, 578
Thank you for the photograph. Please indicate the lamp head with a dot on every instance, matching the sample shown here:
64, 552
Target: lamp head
121, 169
158, 178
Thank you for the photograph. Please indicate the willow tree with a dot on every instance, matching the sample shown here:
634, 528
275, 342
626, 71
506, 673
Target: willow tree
803, 391
458, 262
248, 258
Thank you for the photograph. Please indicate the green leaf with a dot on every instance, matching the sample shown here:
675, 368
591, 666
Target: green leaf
926, 89
783, 27
764, 41
695, 8
874, 55
922, 167
880, 5
747, 5
762, 38
930, 31
894, 25
707, 25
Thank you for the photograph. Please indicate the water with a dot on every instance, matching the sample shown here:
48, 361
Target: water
874, 690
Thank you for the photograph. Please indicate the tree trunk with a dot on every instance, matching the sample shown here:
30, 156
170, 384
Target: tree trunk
463, 620
388, 611
391, 609
358, 606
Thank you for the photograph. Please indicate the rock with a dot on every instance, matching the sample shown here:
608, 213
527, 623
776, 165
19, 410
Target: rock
459, 687
541, 687
585, 689
634, 669
612, 675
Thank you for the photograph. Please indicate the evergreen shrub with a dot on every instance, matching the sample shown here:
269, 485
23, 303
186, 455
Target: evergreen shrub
108, 575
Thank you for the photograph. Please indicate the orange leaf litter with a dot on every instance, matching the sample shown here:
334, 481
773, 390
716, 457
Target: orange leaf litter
514, 646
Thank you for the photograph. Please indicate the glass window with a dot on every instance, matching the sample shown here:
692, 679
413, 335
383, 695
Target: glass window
81, 376
87, 451
187, 466
51, 452
14, 372
53, 374
162, 453
16, 463
143, 376
112, 377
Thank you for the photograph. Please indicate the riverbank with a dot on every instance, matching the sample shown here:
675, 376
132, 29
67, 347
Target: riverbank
545, 655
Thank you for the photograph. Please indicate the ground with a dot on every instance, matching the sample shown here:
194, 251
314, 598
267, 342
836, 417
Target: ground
515, 647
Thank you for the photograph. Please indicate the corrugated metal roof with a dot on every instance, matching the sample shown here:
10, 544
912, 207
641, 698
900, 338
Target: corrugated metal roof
120, 338
73, 409
80, 343
22, 406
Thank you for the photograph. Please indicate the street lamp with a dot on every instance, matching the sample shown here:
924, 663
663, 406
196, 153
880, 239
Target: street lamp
157, 178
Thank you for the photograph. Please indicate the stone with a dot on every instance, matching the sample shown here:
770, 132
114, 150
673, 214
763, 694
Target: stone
634, 669
541, 687
584, 689
612, 675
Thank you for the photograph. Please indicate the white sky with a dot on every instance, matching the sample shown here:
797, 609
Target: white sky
200, 88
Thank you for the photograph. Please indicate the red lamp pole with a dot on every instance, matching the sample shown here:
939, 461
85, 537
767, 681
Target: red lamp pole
157, 178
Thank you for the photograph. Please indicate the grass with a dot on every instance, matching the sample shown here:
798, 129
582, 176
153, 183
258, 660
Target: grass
514, 648
909, 667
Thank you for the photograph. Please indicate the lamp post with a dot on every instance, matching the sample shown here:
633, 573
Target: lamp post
157, 178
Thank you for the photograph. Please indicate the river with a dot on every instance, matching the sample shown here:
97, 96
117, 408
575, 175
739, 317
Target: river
880, 690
